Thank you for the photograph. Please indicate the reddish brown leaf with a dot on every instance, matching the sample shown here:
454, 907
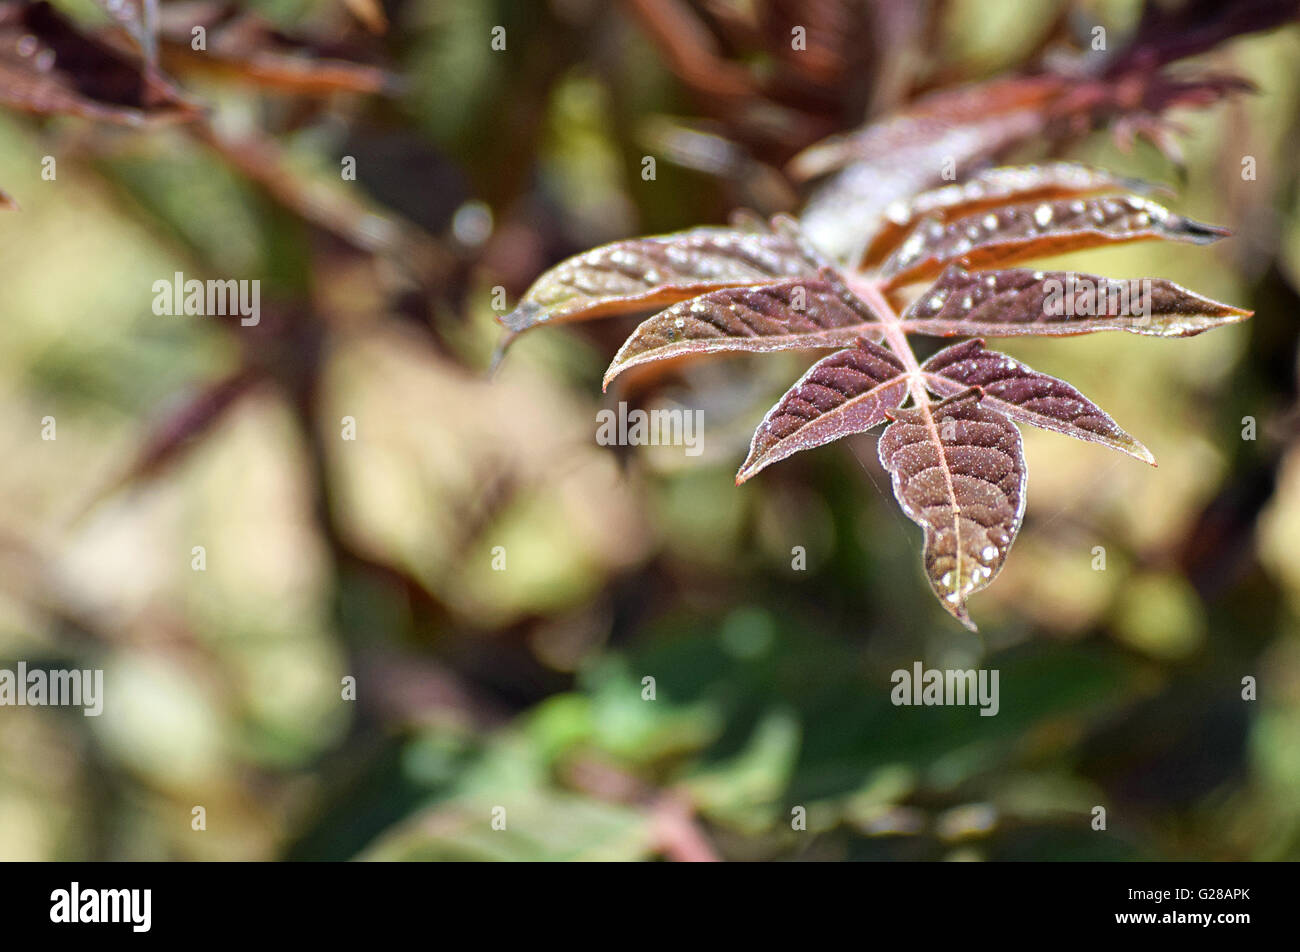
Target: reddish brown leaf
247, 47
793, 315
1026, 396
1005, 235
954, 131
907, 153
47, 68
1015, 302
958, 472
955, 123
848, 392
957, 465
984, 190
6, 202
643, 273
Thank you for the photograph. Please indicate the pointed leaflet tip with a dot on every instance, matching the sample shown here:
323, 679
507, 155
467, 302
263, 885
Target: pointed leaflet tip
521, 318
1199, 233
991, 189
1016, 302
499, 353
959, 612
1026, 396
958, 471
1012, 233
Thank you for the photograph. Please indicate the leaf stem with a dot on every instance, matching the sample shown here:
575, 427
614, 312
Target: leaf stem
894, 336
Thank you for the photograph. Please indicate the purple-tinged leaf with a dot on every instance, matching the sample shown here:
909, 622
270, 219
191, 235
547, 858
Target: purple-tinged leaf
793, 315
989, 189
962, 120
959, 129
1026, 396
959, 472
957, 465
897, 160
1012, 233
848, 392
48, 67
644, 273
1015, 303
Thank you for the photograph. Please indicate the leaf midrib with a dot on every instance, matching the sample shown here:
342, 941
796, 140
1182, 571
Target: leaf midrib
895, 337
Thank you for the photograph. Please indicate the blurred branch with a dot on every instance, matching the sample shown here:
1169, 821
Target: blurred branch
691, 52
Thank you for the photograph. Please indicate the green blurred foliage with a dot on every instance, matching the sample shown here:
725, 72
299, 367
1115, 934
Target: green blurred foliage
523, 689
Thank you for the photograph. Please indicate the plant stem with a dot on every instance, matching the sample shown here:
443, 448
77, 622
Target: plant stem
892, 332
